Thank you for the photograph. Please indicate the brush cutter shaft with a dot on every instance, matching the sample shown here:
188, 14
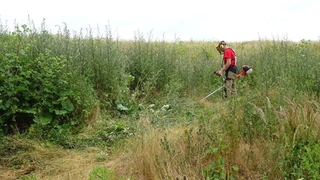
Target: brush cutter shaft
213, 92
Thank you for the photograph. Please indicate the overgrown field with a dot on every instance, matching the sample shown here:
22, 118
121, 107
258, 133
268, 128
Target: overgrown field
85, 106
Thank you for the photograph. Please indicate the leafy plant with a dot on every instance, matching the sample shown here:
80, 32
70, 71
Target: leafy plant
101, 173
29, 177
302, 162
218, 169
34, 86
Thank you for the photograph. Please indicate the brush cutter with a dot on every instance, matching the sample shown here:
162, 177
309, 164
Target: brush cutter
245, 71
212, 93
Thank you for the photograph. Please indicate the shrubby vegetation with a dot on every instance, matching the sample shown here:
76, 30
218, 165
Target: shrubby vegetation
54, 86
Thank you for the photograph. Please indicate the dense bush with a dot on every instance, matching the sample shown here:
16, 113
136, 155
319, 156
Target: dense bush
33, 85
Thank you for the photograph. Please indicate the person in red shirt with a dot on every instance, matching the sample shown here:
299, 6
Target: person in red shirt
229, 67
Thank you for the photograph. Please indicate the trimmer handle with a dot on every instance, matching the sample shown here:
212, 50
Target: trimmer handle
217, 74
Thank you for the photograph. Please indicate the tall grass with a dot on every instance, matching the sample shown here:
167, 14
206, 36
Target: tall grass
269, 131
253, 143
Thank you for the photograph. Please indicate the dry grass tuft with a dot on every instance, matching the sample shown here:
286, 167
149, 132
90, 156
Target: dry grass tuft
255, 158
146, 158
54, 163
71, 165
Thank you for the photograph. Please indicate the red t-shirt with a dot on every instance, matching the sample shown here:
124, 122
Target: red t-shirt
230, 54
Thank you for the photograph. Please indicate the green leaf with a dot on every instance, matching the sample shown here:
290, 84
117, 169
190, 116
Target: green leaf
28, 111
2, 106
67, 105
215, 150
60, 112
235, 168
122, 108
20, 89
213, 165
44, 120
221, 161
129, 78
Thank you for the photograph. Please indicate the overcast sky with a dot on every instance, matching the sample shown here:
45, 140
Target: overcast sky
203, 20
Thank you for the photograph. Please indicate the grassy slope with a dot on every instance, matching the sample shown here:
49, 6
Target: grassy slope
178, 151
135, 158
